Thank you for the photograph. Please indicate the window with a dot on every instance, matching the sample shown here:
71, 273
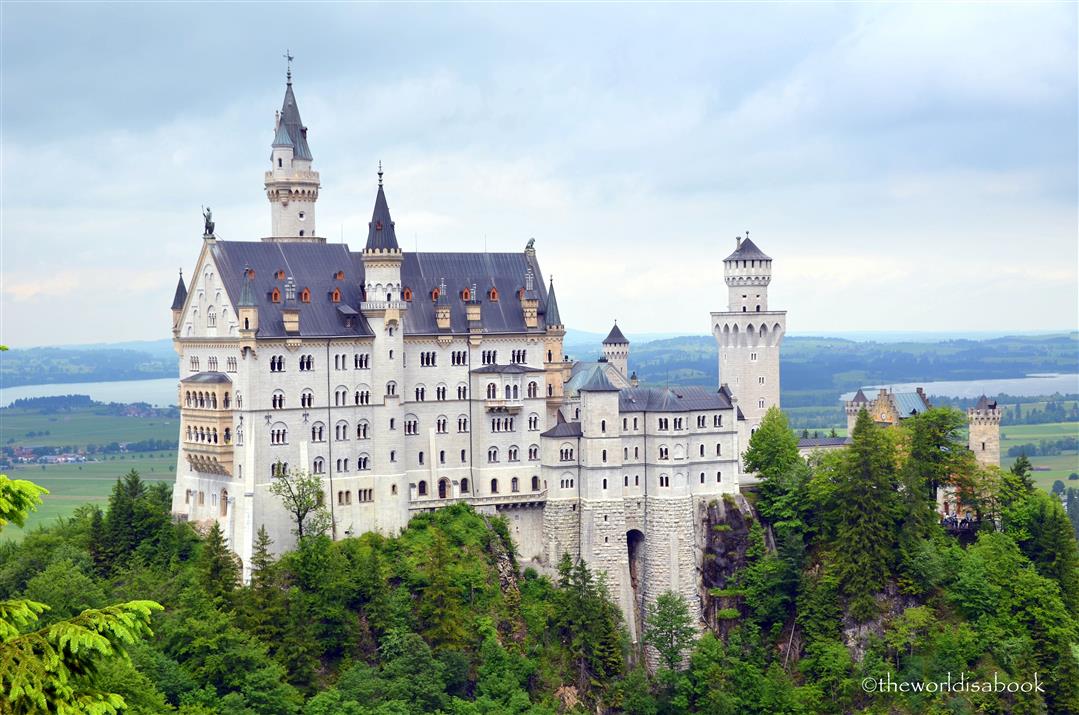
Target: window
279, 434
719, 477
319, 466
412, 425
421, 394
230, 364
459, 357
489, 357
492, 454
462, 424
428, 359
533, 453
275, 295
753, 357
340, 431
535, 483
440, 425
464, 486
335, 296
533, 422
307, 363
511, 454
664, 480
316, 432
363, 397
421, 488
760, 404
462, 392
717, 420
494, 486
391, 388
664, 423
278, 400
440, 392
603, 425
719, 449
492, 391
361, 429
420, 457
194, 364
760, 380
363, 462
361, 361
702, 450
305, 296
464, 456
634, 423
277, 363
604, 459
307, 398
663, 454
565, 454
533, 390
702, 477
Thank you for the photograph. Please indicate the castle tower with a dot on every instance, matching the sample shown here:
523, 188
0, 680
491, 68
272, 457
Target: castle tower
178, 301
984, 440
383, 306
616, 350
554, 364
749, 335
853, 406
291, 185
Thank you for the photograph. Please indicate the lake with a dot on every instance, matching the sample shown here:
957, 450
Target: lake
1065, 384
160, 392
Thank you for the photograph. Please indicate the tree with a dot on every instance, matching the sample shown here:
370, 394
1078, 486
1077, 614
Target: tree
866, 504
53, 669
1058, 487
301, 493
669, 628
220, 567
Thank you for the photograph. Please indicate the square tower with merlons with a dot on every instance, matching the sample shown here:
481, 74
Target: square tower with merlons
749, 335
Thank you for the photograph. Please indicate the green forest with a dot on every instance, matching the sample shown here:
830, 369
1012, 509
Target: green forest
835, 581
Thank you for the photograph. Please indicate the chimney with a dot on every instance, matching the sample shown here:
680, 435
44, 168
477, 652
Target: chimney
737, 242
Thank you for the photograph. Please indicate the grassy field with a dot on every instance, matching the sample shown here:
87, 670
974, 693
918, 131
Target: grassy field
82, 427
1060, 466
71, 485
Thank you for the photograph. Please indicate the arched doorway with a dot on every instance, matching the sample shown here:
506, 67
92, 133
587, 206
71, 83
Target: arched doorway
443, 488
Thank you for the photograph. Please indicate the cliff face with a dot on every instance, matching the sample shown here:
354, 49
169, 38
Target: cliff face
727, 540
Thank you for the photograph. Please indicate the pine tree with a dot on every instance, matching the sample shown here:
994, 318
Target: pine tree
865, 501
219, 566
669, 628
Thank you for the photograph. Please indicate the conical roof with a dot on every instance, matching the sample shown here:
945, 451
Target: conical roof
551, 311
615, 337
290, 120
859, 397
746, 251
181, 294
380, 232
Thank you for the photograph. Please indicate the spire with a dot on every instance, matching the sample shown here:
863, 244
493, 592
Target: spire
747, 250
293, 125
551, 313
247, 296
380, 232
615, 337
181, 293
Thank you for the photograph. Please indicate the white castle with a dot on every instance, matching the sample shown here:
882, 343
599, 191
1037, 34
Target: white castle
410, 381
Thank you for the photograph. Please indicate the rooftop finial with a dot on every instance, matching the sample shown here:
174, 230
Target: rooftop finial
380, 172
288, 59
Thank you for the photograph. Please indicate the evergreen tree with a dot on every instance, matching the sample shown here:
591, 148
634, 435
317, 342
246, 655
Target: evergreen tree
220, 567
865, 503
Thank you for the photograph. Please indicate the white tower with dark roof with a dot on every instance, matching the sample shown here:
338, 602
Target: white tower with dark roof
291, 184
616, 350
749, 335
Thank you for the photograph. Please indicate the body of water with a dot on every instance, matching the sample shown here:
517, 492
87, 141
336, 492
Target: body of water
160, 392
1030, 385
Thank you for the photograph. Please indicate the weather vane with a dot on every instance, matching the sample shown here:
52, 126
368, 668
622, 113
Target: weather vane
288, 59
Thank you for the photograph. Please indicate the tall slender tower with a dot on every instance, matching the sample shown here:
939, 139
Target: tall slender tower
616, 350
291, 184
984, 439
749, 335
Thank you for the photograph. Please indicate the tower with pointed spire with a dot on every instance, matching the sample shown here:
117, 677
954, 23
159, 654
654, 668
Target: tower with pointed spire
178, 301
749, 335
616, 350
554, 363
291, 184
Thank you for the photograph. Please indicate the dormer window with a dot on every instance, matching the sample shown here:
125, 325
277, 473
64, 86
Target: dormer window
493, 294
280, 275
335, 296
435, 294
275, 295
407, 294
305, 296
466, 295
339, 276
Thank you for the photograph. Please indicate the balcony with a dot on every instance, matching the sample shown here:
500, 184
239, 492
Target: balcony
503, 405
511, 499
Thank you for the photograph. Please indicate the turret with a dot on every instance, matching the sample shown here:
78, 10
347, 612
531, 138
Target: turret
530, 301
984, 422
178, 301
557, 369
616, 350
747, 271
853, 406
247, 308
291, 184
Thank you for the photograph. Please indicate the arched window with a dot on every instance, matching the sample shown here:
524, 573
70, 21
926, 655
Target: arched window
422, 488
535, 483
492, 391
335, 296
515, 485
224, 502
533, 390
494, 486
464, 485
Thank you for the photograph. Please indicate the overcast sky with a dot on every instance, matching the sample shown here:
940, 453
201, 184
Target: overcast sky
908, 167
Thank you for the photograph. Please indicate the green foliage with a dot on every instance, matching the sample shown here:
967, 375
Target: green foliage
300, 493
220, 567
669, 628
18, 497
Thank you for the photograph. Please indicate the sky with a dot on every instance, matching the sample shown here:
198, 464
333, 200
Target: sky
908, 167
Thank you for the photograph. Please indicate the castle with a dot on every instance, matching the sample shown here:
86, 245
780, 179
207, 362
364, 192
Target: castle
410, 381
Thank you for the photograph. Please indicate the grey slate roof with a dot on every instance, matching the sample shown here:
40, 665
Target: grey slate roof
505, 272
211, 378
747, 251
859, 397
563, 429
671, 399
615, 337
314, 265
247, 296
582, 371
380, 232
909, 403
297, 132
505, 370
181, 294
551, 315
809, 442
598, 382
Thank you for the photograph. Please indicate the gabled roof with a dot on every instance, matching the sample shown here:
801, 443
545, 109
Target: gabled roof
290, 120
598, 383
181, 294
672, 399
746, 251
615, 337
380, 232
859, 397
551, 315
